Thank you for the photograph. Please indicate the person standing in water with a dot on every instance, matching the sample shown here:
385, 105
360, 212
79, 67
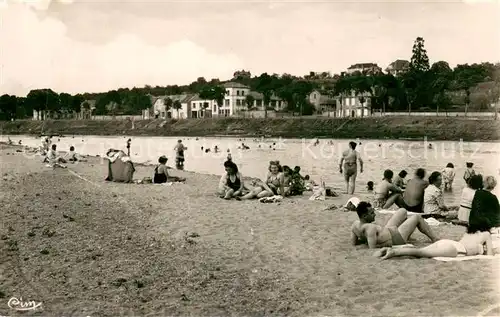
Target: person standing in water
179, 157
349, 161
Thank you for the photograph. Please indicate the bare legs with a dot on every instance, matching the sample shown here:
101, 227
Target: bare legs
391, 200
407, 225
257, 192
350, 179
436, 249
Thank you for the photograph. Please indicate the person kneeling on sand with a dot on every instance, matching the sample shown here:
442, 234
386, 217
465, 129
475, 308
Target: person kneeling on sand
397, 231
476, 241
161, 173
231, 183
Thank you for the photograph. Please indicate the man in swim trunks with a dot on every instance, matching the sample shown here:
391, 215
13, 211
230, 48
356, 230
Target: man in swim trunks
413, 197
397, 231
349, 161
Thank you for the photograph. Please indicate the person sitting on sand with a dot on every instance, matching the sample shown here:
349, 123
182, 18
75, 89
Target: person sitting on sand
476, 241
413, 196
274, 184
309, 184
397, 230
385, 192
485, 203
161, 173
53, 157
433, 196
399, 180
297, 185
72, 156
475, 183
231, 183
349, 167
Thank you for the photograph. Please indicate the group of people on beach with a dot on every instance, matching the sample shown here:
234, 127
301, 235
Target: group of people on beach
479, 209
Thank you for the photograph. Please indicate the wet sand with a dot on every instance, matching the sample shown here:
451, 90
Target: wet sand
87, 247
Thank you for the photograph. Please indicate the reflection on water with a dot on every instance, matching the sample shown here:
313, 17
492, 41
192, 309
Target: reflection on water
317, 161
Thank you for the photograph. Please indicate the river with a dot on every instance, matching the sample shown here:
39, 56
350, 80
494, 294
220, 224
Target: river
320, 161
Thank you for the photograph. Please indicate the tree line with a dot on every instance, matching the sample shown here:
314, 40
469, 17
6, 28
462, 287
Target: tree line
420, 86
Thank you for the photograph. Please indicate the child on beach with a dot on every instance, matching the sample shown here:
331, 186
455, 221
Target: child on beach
309, 183
54, 159
399, 180
369, 186
448, 176
469, 172
297, 186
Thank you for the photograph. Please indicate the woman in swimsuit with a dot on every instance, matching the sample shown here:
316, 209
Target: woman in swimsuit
476, 241
274, 184
161, 173
231, 183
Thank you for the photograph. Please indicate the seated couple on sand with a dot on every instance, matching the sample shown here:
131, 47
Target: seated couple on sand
161, 174
399, 228
278, 182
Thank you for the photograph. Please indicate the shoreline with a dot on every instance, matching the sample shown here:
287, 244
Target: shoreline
403, 128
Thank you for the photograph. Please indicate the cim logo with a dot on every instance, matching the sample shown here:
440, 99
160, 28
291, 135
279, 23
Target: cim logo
20, 305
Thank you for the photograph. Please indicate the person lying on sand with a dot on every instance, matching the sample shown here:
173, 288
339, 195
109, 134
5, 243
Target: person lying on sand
231, 183
476, 241
397, 230
161, 173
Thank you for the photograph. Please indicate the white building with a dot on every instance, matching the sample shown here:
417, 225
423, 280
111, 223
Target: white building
349, 105
234, 103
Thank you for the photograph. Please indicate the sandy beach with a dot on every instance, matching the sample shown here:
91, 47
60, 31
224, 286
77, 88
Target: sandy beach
86, 247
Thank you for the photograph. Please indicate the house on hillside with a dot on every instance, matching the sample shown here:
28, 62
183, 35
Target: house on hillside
349, 105
322, 101
234, 103
364, 68
398, 67
86, 108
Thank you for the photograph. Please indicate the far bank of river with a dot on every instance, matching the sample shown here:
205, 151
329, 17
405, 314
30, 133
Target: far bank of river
404, 127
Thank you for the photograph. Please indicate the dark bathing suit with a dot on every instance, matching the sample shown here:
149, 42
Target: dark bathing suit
233, 185
159, 178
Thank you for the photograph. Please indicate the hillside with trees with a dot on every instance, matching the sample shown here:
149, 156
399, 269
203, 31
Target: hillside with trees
422, 87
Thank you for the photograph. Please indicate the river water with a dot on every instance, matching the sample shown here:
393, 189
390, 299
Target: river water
320, 161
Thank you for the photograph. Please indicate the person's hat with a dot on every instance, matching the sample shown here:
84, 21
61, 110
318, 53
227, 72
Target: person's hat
354, 201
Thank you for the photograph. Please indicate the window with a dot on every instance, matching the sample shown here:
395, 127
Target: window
163, 114
237, 92
238, 102
226, 102
259, 103
228, 92
214, 108
242, 92
314, 96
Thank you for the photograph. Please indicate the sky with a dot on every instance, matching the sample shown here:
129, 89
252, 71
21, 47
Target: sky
80, 46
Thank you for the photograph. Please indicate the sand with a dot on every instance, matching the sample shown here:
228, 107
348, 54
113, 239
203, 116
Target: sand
86, 247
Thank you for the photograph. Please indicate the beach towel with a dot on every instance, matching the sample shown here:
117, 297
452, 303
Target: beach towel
272, 199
